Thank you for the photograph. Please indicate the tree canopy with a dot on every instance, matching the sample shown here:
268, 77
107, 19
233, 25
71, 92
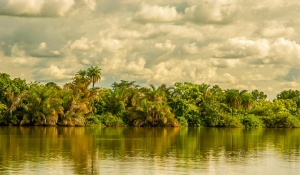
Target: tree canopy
126, 103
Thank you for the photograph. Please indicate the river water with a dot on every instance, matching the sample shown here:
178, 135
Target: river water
89, 150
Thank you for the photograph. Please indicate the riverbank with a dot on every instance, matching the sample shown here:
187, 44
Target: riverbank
126, 103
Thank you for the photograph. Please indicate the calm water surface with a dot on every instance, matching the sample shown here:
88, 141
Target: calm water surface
70, 150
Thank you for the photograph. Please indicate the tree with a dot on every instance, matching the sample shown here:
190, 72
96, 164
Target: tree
42, 105
233, 99
258, 95
94, 73
81, 77
246, 101
78, 102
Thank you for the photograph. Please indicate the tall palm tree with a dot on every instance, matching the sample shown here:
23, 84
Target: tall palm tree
94, 73
246, 101
77, 102
233, 98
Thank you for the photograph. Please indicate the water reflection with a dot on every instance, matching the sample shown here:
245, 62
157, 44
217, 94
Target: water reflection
70, 150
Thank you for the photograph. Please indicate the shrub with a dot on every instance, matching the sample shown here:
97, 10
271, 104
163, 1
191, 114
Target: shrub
251, 121
110, 120
182, 121
231, 121
281, 120
93, 120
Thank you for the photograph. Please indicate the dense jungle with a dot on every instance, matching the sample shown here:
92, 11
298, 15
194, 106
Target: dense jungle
126, 103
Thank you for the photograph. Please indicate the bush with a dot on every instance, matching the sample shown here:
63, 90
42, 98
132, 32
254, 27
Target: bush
110, 120
182, 121
231, 121
212, 120
93, 120
281, 120
251, 121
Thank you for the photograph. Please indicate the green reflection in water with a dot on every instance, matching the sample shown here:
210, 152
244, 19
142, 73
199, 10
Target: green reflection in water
72, 150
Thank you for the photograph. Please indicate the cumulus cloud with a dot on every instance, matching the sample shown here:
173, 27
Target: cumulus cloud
211, 11
52, 73
179, 31
261, 51
235, 44
190, 48
35, 7
226, 63
284, 51
185, 70
242, 47
275, 29
81, 44
157, 14
167, 46
44, 51
91, 4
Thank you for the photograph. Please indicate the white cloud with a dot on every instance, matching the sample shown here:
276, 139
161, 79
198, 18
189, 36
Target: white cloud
190, 48
81, 44
167, 46
44, 51
211, 11
112, 45
226, 63
52, 73
228, 78
157, 14
179, 31
284, 51
91, 4
171, 71
242, 47
262, 51
235, 44
57, 7
275, 29
36, 7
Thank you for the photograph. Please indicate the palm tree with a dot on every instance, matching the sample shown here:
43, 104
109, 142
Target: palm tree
81, 77
233, 99
94, 73
77, 102
246, 101
43, 106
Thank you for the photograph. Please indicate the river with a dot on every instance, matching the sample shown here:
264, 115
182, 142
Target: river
92, 150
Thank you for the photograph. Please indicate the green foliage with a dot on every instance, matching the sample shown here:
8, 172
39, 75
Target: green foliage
94, 73
231, 121
128, 104
233, 99
262, 108
182, 121
93, 120
288, 94
3, 109
228, 121
258, 96
110, 120
246, 101
42, 105
211, 120
282, 120
251, 121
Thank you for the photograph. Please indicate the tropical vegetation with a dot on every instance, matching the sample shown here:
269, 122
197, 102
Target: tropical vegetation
80, 103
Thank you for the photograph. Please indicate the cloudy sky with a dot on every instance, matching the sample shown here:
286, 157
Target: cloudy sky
244, 44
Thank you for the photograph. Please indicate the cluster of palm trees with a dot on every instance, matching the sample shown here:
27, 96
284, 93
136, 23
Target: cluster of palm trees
126, 103
49, 104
